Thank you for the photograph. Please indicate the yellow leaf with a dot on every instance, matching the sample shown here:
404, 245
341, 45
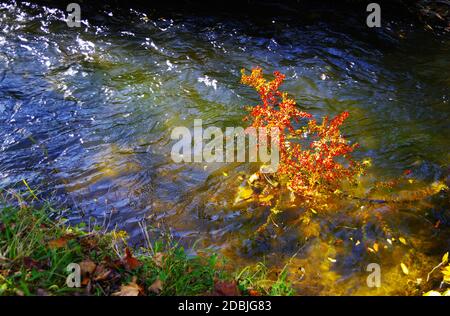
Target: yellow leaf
404, 268
402, 240
331, 259
244, 193
432, 293
225, 174
445, 258
275, 211
266, 198
375, 247
446, 273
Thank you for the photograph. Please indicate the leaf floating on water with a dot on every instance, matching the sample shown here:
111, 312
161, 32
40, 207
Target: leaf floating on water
404, 268
275, 211
375, 247
445, 258
402, 240
244, 193
446, 273
266, 198
432, 293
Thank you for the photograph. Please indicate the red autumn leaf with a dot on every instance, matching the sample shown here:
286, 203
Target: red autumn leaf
226, 288
131, 262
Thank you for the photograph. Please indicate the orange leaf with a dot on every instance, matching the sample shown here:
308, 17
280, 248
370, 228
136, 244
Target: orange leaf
254, 293
58, 243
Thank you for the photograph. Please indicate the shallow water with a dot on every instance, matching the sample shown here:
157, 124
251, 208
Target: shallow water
86, 115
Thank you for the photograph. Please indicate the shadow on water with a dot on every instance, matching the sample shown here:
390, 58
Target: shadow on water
87, 113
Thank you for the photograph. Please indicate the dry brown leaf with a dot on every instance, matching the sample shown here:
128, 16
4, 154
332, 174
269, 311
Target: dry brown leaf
101, 273
131, 289
158, 259
87, 267
156, 287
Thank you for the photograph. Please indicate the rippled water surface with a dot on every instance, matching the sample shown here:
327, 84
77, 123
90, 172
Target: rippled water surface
86, 115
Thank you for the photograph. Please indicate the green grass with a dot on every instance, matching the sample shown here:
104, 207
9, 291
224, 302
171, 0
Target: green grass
35, 251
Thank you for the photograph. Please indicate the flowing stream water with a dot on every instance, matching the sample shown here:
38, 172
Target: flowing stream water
86, 116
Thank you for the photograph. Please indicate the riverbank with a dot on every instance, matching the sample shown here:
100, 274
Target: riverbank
37, 257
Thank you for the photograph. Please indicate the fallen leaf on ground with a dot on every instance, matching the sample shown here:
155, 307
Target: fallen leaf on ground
131, 289
131, 262
87, 267
156, 287
158, 259
58, 243
226, 288
402, 240
101, 273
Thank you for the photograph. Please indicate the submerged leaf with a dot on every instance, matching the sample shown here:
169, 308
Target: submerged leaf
404, 268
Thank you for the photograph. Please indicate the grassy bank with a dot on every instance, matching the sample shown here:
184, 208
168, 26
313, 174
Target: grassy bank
36, 251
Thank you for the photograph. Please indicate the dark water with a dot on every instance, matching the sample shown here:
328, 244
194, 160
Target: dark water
86, 115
